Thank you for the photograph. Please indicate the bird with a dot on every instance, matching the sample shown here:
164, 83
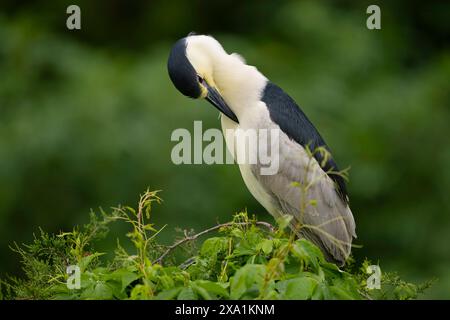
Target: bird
200, 68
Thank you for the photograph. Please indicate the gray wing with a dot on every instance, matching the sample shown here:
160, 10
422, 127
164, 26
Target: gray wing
325, 217
295, 124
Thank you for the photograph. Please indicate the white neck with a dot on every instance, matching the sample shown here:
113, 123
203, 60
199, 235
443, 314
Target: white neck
237, 81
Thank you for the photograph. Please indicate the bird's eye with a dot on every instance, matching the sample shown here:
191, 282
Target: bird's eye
200, 79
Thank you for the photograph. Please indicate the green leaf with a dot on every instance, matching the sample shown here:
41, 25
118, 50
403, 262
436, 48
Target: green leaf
213, 287
284, 221
307, 253
214, 245
99, 291
266, 246
149, 227
237, 233
345, 287
85, 261
200, 291
321, 292
340, 293
297, 288
247, 278
124, 277
169, 294
187, 294
243, 251
140, 292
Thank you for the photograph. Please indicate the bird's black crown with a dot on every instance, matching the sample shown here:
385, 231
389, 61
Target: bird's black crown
181, 71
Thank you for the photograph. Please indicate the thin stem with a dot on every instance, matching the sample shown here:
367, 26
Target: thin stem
195, 236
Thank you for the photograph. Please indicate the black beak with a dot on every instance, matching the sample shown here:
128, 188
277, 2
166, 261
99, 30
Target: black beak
216, 100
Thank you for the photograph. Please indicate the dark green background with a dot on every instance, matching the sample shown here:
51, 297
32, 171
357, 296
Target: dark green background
86, 116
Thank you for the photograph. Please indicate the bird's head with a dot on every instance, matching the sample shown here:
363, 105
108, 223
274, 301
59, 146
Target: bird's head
195, 65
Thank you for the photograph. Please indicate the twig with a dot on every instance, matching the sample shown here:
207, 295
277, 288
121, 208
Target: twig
195, 236
187, 263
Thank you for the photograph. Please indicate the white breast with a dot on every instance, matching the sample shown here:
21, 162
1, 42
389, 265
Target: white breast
253, 185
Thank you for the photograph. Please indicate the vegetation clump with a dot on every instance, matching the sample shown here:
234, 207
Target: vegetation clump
241, 259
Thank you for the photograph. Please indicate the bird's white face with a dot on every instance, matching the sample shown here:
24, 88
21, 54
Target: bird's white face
201, 52
191, 67
199, 67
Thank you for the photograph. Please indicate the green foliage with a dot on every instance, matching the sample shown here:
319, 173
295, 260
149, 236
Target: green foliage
247, 259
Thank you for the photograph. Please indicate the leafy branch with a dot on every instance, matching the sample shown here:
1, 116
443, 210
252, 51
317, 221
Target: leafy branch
247, 259
215, 228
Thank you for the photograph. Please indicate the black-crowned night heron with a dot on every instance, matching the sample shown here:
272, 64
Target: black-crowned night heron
199, 67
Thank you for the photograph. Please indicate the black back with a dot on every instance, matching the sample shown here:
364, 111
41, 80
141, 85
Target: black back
291, 119
181, 71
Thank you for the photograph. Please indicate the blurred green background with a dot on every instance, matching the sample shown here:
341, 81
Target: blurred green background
86, 116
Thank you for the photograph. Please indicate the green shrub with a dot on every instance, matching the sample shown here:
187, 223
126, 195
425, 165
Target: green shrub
246, 259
